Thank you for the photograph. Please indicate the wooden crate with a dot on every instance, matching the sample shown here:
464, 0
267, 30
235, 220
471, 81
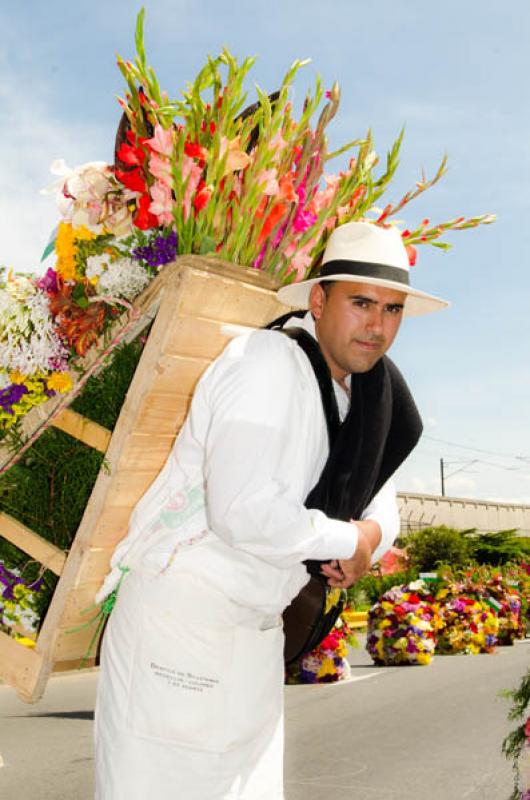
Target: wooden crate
190, 301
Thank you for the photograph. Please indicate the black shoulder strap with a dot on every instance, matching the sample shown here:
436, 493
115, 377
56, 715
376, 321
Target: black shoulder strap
323, 376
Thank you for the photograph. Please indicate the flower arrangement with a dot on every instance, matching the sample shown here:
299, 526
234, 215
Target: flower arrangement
469, 625
200, 175
18, 603
327, 663
402, 625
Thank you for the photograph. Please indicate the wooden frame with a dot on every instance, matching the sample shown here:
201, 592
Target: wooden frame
190, 301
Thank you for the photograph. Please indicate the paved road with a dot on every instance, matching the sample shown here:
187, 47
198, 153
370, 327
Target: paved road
430, 733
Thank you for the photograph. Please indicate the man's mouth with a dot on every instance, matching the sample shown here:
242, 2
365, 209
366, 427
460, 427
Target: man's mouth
368, 346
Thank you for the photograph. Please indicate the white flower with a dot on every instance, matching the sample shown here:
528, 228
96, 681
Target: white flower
96, 265
124, 278
28, 342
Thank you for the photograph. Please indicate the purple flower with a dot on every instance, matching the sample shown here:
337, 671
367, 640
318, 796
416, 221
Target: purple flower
12, 395
48, 283
162, 250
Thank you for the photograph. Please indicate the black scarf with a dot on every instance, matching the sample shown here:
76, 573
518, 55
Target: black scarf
380, 430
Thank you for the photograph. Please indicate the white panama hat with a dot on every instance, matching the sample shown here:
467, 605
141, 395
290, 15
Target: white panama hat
363, 252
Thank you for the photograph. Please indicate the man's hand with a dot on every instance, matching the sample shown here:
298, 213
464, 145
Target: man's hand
344, 573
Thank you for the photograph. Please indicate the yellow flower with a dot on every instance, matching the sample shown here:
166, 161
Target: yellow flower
83, 234
385, 623
60, 382
65, 248
342, 650
17, 377
26, 641
423, 658
327, 668
332, 598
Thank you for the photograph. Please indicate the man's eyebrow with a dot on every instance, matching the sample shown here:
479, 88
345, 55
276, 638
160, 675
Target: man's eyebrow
374, 302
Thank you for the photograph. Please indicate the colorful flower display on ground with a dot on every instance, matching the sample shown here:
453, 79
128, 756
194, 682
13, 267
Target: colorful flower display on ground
468, 625
200, 175
402, 626
328, 662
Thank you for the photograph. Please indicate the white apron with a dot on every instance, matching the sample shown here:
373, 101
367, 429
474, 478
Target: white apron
190, 695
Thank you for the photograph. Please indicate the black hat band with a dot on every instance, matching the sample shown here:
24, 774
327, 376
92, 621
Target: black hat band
364, 269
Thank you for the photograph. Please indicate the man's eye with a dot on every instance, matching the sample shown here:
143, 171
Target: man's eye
360, 303
395, 309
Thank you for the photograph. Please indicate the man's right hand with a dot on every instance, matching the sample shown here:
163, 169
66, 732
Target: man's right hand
344, 573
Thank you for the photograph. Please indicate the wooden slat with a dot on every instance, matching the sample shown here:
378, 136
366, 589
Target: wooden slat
112, 525
177, 373
84, 429
128, 486
94, 567
228, 300
162, 413
198, 338
143, 451
20, 666
31, 543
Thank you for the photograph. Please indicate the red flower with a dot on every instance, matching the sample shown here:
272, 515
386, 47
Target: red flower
133, 179
133, 156
411, 252
202, 197
195, 150
144, 219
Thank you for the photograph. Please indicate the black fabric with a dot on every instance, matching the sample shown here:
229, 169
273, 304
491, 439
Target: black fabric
380, 430
364, 270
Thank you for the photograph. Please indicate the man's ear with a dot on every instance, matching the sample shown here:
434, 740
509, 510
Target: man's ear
317, 299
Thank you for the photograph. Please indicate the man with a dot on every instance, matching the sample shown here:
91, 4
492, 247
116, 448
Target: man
260, 480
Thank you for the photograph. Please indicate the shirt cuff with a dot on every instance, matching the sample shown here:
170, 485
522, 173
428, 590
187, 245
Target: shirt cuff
337, 539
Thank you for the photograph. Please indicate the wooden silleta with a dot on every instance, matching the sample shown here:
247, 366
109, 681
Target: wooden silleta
190, 302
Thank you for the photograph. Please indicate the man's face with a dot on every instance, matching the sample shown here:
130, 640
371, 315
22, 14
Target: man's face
355, 324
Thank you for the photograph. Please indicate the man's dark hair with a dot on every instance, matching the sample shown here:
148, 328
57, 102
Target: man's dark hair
326, 285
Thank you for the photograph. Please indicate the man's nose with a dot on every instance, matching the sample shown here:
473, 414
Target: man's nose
375, 321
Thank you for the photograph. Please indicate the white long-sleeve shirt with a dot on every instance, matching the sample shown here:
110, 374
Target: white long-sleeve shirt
229, 502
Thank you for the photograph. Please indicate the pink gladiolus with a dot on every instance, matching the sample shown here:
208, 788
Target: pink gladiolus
269, 182
300, 264
162, 141
162, 203
303, 220
160, 168
236, 158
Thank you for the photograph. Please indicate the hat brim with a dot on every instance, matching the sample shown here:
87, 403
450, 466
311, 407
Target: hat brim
417, 302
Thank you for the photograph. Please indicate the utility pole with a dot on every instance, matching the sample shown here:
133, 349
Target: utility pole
442, 476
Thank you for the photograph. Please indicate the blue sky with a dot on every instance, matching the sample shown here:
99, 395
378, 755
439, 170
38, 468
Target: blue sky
456, 74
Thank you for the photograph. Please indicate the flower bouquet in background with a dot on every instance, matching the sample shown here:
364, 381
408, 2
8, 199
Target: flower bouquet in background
328, 662
203, 174
468, 625
402, 626
502, 594
19, 615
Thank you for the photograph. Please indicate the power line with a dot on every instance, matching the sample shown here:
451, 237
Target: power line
476, 449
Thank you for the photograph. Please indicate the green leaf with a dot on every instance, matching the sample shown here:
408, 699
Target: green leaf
79, 296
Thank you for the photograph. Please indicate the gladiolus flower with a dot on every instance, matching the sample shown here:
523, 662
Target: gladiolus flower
160, 168
130, 155
133, 180
236, 158
202, 198
162, 141
411, 252
162, 205
143, 218
195, 150
268, 181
